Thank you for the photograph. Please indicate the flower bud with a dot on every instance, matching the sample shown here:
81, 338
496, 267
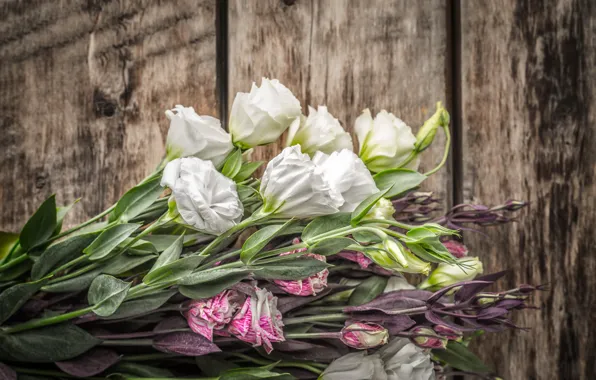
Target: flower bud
426, 133
405, 260
456, 248
383, 209
362, 335
385, 141
213, 313
448, 274
426, 338
320, 132
261, 116
357, 257
448, 332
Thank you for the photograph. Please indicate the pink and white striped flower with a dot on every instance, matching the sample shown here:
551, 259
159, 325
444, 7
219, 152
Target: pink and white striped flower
258, 321
308, 286
362, 335
213, 313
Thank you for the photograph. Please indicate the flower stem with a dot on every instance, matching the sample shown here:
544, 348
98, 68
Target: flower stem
83, 225
306, 366
321, 335
255, 217
47, 321
14, 262
445, 153
408, 159
44, 372
316, 318
128, 342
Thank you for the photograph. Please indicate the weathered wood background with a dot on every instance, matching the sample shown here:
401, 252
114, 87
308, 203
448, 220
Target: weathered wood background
84, 84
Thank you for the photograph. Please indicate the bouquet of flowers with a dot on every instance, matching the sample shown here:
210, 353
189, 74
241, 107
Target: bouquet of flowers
330, 265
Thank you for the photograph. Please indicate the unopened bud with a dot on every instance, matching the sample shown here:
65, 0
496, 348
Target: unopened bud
426, 338
456, 248
448, 332
448, 274
364, 335
426, 133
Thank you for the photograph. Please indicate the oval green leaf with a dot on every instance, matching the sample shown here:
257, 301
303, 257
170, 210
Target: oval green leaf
108, 240
106, 293
398, 181
324, 224
41, 226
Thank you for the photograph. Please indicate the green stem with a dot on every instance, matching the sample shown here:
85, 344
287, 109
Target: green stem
413, 155
82, 225
146, 357
128, 342
390, 222
445, 153
225, 256
47, 321
393, 233
316, 318
306, 366
321, 335
74, 274
69, 264
14, 262
44, 372
256, 217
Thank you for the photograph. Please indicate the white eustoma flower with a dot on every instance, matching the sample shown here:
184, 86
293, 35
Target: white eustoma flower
293, 186
348, 175
320, 131
404, 361
206, 199
385, 142
261, 116
193, 135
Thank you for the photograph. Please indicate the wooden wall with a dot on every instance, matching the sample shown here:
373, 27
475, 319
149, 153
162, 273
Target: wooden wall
84, 84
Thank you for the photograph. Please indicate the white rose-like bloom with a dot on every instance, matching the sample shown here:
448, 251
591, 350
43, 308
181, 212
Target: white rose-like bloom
261, 116
385, 142
294, 186
404, 361
347, 174
192, 135
206, 199
320, 131
398, 360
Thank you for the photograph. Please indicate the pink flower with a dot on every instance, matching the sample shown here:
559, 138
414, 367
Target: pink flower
426, 338
212, 313
309, 286
357, 257
362, 335
258, 321
456, 248
448, 332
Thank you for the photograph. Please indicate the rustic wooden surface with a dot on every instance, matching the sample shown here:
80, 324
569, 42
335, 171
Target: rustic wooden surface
381, 54
529, 112
84, 86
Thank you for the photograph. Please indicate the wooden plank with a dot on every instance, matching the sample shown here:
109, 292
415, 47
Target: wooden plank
349, 56
529, 132
84, 89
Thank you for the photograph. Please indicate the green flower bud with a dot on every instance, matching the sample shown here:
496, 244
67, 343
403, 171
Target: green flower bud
426, 133
448, 274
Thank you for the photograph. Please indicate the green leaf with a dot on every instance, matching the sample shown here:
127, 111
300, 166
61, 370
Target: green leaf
425, 244
398, 181
247, 170
331, 246
142, 370
295, 268
7, 241
324, 224
60, 253
212, 366
366, 237
106, 293
252, 373
364, 207
211, 288
124, 263
73, 284
139, 248
232, 164
257, 241
459, 356
210, 275
142, 305
15, 271
137, 200
161, 242
61, 213
368, 290
41, 226
108, 240
14, 297
173, 271
172, 253
46, 344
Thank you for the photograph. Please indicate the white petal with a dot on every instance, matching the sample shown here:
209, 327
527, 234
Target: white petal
171, 173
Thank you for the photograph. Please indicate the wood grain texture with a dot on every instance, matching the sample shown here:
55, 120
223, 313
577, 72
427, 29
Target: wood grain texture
348, 55
84, 89
529, 110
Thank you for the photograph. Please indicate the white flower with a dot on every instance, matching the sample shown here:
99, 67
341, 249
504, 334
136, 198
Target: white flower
319, 132
198, 136
447, 274
397, 282
294, 186
383, 209
206, 199
261, 116
398, 360
348, 175
404, 361
385, 142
